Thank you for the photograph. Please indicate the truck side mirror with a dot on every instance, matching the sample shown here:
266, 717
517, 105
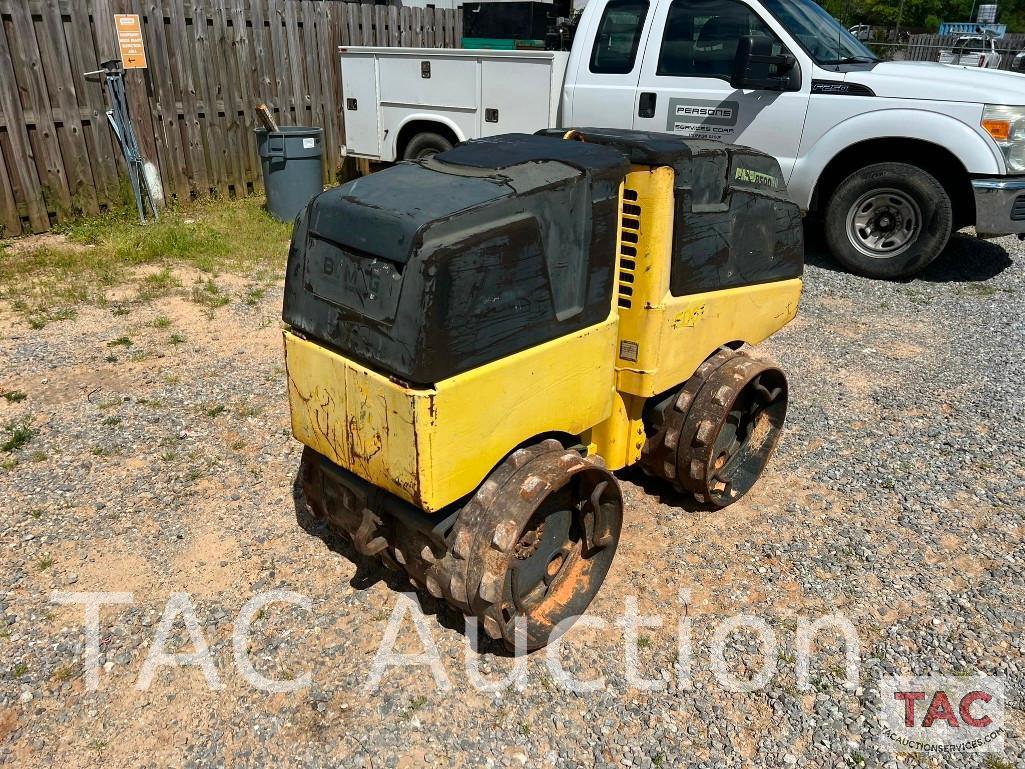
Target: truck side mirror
757, 67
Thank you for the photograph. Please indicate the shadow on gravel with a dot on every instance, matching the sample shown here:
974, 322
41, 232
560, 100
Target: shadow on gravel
370, 571
661, 491
966, 259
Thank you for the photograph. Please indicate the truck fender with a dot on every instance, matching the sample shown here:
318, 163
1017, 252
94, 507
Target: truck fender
978, 155
424, 117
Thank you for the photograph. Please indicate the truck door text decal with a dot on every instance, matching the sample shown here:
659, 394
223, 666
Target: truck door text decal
703, 118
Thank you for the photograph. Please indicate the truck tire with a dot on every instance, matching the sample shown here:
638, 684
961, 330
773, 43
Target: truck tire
424, 145
888, 220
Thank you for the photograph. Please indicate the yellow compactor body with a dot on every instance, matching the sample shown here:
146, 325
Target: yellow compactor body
493, 487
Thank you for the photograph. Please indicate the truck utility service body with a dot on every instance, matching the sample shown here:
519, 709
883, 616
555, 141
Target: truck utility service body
895, 155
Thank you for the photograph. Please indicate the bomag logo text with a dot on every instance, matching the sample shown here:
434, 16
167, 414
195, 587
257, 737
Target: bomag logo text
755, 177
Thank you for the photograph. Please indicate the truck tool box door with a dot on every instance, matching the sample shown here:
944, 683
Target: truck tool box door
359, 89
515, 95
685, 81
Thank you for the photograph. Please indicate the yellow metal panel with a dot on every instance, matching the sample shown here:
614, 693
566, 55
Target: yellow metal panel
619, 439
648, 208
644, 263
353, 416
479, 416
433, 446
663, 338
642, 280
694, 326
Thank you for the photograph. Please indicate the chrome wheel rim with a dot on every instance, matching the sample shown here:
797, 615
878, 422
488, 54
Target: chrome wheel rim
884, 223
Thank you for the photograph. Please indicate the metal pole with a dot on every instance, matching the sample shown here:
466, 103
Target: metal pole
121, 124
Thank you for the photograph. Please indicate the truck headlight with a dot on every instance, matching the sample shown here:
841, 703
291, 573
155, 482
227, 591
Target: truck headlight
1007, 127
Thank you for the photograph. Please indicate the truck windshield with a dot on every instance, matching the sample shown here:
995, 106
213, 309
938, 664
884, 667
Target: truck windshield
822, 36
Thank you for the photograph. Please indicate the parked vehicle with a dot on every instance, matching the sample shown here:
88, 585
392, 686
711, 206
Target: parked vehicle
1018, 63
972, 51
862, 32
475, 343
894, 156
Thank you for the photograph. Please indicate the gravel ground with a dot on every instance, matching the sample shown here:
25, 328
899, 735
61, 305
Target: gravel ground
163, 466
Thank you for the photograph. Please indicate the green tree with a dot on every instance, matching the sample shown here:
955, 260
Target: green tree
1013, 15
921, 14
926, 14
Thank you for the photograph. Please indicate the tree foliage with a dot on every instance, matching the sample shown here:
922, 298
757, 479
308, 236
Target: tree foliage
920, 14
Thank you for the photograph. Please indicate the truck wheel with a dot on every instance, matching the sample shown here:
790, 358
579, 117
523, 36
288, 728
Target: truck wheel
424, 145
888, 220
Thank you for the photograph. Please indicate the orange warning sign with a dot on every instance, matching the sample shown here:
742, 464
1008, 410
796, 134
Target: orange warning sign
129, 40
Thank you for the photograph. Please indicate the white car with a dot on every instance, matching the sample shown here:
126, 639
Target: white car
972, 51
861, 32
895, 156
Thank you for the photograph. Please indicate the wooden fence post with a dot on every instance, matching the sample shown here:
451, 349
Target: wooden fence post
23, 161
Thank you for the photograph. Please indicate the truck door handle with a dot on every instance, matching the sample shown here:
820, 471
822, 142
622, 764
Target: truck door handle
646, 105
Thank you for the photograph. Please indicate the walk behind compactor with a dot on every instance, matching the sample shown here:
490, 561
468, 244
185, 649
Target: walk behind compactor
476, 340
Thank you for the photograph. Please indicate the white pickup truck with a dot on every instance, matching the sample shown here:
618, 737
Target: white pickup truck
894, 156
972, 51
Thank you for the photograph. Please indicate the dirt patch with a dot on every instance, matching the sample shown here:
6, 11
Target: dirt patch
30, 243
8, 722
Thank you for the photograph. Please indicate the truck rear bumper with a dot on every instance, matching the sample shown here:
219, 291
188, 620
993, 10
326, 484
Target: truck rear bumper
999, 206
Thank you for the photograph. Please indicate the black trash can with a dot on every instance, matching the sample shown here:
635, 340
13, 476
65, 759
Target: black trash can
291, 161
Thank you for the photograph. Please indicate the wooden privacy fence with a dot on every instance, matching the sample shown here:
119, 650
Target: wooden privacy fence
209, 62
927, 47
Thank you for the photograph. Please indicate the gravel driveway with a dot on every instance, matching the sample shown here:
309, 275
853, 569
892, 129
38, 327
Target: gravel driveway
157, 460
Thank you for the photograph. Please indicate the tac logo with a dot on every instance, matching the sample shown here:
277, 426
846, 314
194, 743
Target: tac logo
942, 714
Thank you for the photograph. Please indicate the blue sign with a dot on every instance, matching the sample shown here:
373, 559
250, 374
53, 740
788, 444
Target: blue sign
972, 28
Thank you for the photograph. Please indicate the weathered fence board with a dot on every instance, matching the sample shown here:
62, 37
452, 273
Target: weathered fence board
27, 190
46, 145
210, 61
100, 153
61, 91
